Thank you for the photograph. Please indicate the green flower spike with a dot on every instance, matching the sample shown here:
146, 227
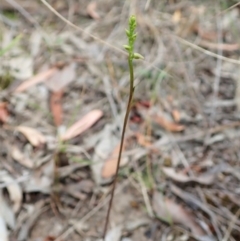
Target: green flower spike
131, 39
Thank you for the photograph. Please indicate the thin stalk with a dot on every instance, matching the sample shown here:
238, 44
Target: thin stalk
131, 55
131, 92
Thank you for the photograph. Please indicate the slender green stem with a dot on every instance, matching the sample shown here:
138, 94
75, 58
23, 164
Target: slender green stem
131, 92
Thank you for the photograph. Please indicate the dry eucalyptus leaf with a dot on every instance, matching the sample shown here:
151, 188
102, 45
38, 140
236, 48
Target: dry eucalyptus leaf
176, 115
110, 165
168, 125
83, 124
18, 156
171, 212
91, 10
34, 137
106, 141
36, 80
104, 144
180, 177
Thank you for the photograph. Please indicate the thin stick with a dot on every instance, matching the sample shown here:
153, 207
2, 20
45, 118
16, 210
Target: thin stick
80, 29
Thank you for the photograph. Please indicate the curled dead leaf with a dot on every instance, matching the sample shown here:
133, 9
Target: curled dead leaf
34, 137
18, 156
82, 125
91, 10
180, 177
168, 125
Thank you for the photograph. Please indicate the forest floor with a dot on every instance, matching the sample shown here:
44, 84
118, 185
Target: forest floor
64, 83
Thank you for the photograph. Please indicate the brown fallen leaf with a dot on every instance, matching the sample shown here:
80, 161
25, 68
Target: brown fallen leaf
62, 78
110, 166
18, 156
173, 213
142, 140
82, 125
168, 125
91, 10
56, 107
3, 112
34, 137
43, 76
176, 115
217, 46
180, 177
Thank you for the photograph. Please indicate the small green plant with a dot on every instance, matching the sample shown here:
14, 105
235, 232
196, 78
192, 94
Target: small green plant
7, 79
131, 35
10, 45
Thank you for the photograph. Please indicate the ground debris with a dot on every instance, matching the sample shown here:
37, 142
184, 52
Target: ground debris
64, 82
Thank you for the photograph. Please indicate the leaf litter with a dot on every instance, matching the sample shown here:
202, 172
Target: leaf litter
4, 115
179, 140
43, 76
171, 212
183, 178
34, 137
82, 125
110, 166
91, 10
18, 156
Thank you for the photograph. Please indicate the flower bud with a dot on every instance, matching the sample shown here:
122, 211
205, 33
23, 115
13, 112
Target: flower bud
127, 32
127, 47
137, 56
